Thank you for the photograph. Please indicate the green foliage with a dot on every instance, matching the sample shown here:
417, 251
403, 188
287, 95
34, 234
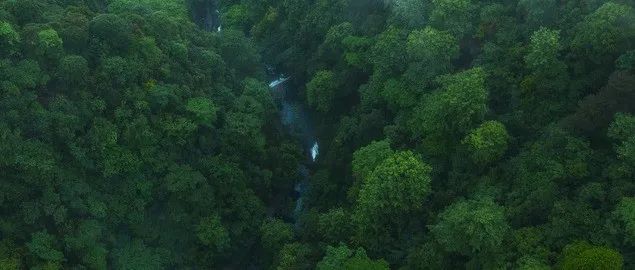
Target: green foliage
388, 54
397, 185
624, 214
393, 192
430, 44
136, 255
111, 31
626, 61
357, 54
582, 255
174, 8
294, 256
445, 116
606, 31
237, 16
73, 70
321, 91
367, 158
471, 226
621, 129
544, 48
487, 143
122, 129
9, 39
203, 110
49, 44
275, 234
343, 258
211, 233
42, 245
409, 12
131, 138
86, 240
539, 13
453, 16
335, 225
433, 48
183, 180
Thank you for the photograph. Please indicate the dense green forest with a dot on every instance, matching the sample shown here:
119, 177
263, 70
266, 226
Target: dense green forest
453, 134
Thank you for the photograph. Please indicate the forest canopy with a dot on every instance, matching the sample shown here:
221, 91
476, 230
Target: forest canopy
453, 134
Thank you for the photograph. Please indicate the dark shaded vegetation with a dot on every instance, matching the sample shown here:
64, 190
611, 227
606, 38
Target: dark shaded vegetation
454, 134
132, 139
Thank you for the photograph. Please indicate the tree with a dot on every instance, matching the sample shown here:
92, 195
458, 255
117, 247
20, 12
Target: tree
135, 255
596, 111
342, 258
242, 132
244, 64
86, 241
442, 118
583, 256
626, 61
210, 232
487, 143
539, 13
431, 53
453, 16
148, 53
544, 50
203, 110
335, 226
410, 12
624, 216
389, 197
605, 32
237, 16
73, 29
622, 127
433, 49
73, 71
544, 93
274, 235
49, 44
367, 158
357, 52
321, 91
261, 93
621, 130
9, 39
294, 256
388, 54
475, 226
28, 11
556, 158
183, 180
174, 8
43, 246
111, 30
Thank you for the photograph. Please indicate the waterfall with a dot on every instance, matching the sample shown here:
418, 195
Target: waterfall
315, 151
278, 81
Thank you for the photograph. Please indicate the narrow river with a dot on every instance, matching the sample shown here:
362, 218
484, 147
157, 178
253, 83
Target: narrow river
293, 114
296, 119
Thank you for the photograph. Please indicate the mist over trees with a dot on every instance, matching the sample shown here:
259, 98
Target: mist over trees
453, 134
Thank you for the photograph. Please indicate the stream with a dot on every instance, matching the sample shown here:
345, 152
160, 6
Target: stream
296, 119
293, 114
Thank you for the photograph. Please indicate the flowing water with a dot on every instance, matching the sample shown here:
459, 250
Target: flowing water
293, 115
296, 119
